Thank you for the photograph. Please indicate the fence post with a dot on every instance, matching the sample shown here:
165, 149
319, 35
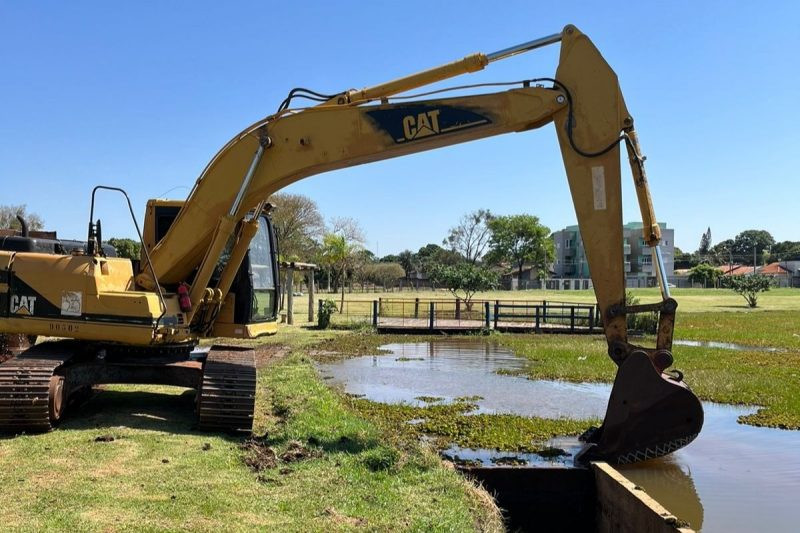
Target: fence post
290, 297
432, 312
380, 305
496, 311
537, 320
458, 308
319, 312
544, 310
486, 312
310, 282
375, 310
591, 320
416, 307
572, 319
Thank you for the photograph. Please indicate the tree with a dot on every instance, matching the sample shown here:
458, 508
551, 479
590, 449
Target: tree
685, 259
785, 251
471, 237
705, 274
8, 217
520, 239
384, 274
126, 248
463, 280
749, 240
434, 254
298, 224
705, 243
721, 253
341, 249
408, 261
749, 286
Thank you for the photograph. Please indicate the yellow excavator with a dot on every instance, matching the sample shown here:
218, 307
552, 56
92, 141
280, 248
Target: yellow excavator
208, 266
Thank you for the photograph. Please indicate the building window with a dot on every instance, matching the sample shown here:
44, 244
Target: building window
568, 244
645, 260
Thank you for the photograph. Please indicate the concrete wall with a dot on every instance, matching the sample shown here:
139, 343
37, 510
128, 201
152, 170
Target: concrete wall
622, 507
573, 499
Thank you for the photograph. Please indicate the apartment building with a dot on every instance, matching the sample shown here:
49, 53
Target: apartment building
570, 261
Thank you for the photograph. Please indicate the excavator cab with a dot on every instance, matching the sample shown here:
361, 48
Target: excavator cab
251, 306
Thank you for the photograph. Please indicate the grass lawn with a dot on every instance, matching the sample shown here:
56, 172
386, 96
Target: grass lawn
689, 300
360, 464
159, 474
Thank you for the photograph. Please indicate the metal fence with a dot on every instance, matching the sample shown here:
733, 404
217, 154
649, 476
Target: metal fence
458, 315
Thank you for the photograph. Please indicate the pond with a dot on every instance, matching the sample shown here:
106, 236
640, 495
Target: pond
733, 477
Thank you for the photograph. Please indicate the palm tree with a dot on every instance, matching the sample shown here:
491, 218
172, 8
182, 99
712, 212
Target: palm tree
339, 254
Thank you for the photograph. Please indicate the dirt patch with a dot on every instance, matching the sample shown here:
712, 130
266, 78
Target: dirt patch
260, 456
266, 355
296, 452
104, 438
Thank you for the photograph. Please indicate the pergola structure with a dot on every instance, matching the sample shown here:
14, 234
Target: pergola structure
290, 267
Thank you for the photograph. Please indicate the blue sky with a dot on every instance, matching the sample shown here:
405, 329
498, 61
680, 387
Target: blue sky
141, 95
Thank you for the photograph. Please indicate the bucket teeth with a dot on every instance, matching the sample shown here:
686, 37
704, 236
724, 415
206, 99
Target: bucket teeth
649, 414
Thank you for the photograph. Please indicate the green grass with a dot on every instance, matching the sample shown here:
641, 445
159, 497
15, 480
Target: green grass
778, 329
770, 380
450, 424
689, 300
159, 474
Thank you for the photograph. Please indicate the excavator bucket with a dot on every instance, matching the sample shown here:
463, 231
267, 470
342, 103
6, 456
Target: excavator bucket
649, 414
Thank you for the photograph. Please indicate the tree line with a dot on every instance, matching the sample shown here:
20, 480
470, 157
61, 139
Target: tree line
472, 254
753, 246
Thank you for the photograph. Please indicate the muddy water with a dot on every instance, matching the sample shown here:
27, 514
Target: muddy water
464, 368
732, 478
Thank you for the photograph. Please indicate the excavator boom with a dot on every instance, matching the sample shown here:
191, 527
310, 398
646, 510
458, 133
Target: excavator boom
650, 412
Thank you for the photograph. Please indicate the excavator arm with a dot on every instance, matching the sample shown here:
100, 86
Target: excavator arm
650, 412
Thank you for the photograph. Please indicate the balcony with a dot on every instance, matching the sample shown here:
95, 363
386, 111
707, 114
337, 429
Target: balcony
626, 249
627, 266
646, 267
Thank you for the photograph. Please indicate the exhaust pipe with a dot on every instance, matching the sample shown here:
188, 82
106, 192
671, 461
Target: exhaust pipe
24, 225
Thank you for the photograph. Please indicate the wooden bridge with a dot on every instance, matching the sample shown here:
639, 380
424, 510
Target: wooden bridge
455, 315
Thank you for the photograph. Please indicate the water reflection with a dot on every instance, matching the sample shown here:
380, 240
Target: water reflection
464, 368
725, 346
731, 478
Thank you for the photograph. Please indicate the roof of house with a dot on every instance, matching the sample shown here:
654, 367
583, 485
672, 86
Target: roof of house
774, 269
737, 270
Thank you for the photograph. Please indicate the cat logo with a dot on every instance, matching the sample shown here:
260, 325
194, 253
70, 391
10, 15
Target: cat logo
417, 122
23, 305
421, 124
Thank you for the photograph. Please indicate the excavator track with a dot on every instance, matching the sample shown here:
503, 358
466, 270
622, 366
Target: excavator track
32, 395
227, 394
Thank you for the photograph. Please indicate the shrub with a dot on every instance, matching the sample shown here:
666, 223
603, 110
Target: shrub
327, 308
642, 322
749, 286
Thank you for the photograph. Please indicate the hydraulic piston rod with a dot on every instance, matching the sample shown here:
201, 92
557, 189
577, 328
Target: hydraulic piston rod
524, 47
471, 63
